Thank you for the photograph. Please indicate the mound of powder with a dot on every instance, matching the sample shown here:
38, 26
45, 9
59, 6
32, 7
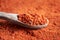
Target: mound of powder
32, 19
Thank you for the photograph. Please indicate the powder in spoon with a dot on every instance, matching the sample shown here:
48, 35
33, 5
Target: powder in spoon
32, 19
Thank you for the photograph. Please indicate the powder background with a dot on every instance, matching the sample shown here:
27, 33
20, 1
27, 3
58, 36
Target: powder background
48, 8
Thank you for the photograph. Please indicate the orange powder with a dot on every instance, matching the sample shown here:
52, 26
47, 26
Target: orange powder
9, 31
32, 19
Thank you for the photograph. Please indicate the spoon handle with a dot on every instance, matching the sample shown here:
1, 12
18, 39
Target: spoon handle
4, 15
9, 17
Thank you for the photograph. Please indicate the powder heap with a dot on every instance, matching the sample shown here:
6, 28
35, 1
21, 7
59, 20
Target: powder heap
32, 19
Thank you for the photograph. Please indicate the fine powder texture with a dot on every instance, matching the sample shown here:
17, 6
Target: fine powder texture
32, 19
49, 8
